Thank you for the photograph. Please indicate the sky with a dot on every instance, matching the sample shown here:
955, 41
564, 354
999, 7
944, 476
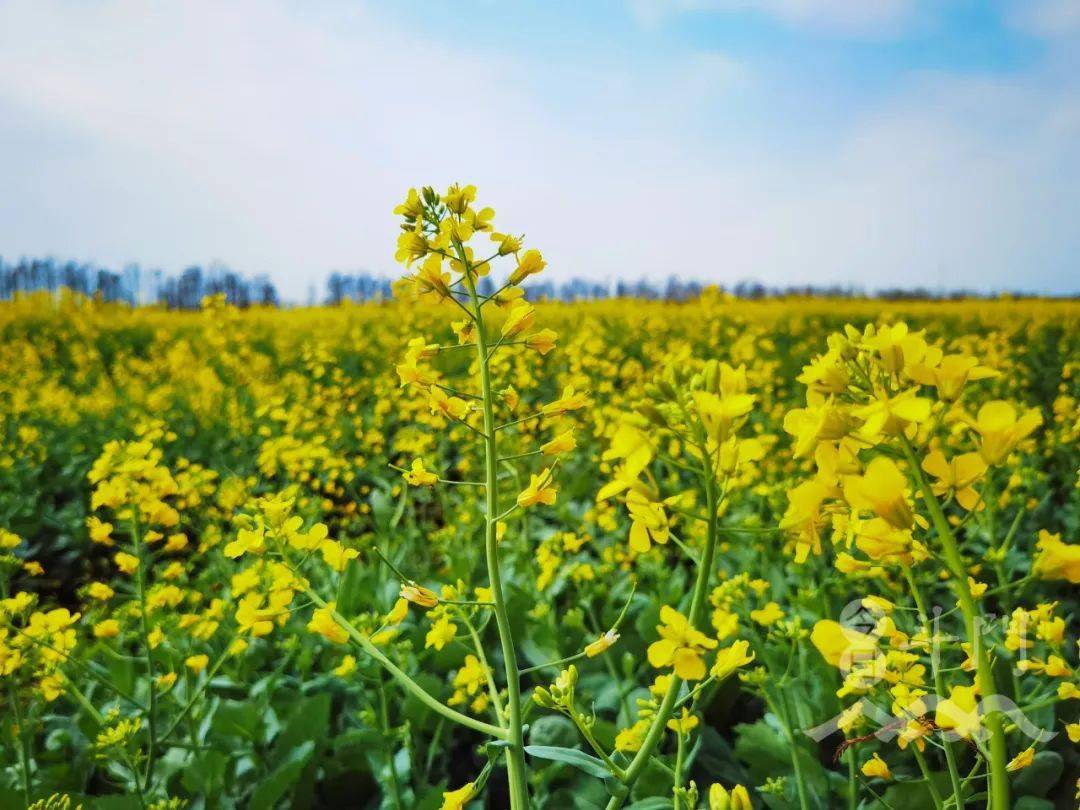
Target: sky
877, 143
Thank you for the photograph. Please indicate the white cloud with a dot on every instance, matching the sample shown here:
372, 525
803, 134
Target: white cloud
1047, 18
842, 17
252, 134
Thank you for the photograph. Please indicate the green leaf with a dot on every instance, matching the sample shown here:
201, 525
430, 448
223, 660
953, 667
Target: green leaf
271, 790
382, 509
571, 756
553, 730
234, 718
205, 773
352, 590
655, 780
433, 799
1032, 803
762, 749
651, 803
913, 793
107, 803
717, 759
1042, 774
309, 721
420, 716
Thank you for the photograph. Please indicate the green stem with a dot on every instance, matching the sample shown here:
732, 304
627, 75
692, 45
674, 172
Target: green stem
515, 754
101, 679
558, 662
429, 760
939, 684
505, 425
195, 697
520, 455
697, 610
623, 701
680, 746
780, 711
586, 732
935, 794
693, 693
384, 719
999, 777
84, 701
493, 690
408, 683
151, 672
20, 743
853, 789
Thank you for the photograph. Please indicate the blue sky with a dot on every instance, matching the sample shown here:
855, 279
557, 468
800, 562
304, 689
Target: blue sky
875, 142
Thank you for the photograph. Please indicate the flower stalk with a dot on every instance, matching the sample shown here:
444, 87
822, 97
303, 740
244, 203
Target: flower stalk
515, 754
984, 675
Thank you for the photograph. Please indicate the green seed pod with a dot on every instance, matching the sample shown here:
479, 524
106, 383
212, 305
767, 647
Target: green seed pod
571, 676
652, 413
712, 376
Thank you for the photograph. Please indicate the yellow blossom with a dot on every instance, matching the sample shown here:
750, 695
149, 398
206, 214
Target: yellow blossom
346, 667
563, 443
948, 373
99, 591
457, 799
398, 613
841, 646
1021, 760
442, 632
323, 623
680, 646
521, 317
127, 563
542, 341
569, 400
959, 712
540, 490
530, 263
1000, 429
875, 768
684, 723
729, 659
1056, 559
955, 477
602, 644
881, 489
417, 476
419, 595
108, 628
768, 615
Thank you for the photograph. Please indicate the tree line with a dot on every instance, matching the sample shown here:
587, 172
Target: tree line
136, 286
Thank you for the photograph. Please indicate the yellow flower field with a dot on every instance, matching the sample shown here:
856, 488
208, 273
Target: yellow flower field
464, 550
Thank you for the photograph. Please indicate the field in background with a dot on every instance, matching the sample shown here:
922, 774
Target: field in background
307, 402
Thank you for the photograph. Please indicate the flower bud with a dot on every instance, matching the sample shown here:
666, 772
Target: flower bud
712, 377
667, 390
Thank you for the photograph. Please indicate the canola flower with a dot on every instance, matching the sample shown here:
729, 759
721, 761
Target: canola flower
255, 550
907, 495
